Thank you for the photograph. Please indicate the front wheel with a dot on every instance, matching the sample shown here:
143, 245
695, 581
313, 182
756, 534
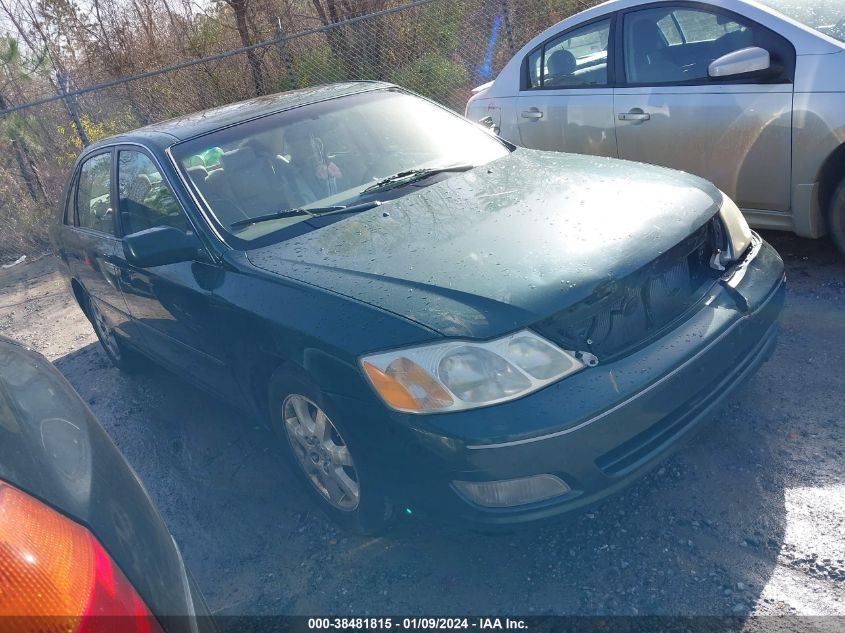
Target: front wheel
335, 475
836, 217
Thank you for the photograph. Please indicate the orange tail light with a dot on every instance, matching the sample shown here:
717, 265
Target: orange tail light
56, 577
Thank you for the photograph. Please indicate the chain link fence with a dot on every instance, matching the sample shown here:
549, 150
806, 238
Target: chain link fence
439, 48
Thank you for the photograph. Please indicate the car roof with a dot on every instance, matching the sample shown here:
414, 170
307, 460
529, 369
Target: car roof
617, 5
808, 41
166, 133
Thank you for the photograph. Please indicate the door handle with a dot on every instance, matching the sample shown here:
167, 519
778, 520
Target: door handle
532, 114
634, 116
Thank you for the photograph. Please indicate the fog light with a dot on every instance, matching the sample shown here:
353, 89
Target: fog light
511, 492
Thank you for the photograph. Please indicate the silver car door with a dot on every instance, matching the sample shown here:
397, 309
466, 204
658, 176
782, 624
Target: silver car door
565, 102
734, 131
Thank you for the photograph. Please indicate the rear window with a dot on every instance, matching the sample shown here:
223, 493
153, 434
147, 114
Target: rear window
575, 59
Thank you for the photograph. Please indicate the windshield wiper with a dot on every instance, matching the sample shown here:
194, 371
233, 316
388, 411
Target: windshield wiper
412, 175
312, 212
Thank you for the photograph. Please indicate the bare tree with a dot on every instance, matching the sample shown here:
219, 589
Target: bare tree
14, 132
239, 7
331, 12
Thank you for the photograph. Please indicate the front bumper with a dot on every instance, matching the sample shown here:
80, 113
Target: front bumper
603, 428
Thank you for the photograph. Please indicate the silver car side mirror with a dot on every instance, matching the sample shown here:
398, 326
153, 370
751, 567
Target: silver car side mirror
742, 62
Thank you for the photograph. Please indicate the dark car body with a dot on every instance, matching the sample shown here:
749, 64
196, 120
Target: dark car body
53, 450
522, 242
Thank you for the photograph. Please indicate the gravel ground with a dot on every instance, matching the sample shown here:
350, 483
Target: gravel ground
747, 519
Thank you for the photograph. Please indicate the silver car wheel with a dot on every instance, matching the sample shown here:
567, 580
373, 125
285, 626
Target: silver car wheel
321, 452
102, 328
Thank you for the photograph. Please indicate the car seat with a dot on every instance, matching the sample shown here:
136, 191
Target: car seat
560, 67
648, 64
245, 186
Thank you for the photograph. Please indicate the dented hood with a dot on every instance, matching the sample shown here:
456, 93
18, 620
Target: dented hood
497, 248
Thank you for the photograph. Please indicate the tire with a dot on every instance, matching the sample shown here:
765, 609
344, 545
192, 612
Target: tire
836, 217
119, 355
330, 468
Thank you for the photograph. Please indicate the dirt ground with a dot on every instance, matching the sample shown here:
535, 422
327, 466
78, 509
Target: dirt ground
747, 518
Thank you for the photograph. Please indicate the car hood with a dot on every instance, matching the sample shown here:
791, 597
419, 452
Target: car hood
497, 248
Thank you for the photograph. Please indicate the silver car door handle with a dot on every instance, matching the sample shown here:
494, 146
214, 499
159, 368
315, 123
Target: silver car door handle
634, 116
532, 114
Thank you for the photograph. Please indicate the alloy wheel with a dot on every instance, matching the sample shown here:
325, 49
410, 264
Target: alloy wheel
107, 337
321, 452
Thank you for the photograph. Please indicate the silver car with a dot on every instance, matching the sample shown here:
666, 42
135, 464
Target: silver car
750, 95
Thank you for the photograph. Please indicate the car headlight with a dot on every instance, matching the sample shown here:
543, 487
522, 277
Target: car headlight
739, 234
458, 375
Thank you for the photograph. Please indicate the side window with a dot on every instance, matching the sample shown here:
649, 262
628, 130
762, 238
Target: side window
703, 26
670, 29
68, 215
675, 44
93, 195
144, 199
575, 59
535, 69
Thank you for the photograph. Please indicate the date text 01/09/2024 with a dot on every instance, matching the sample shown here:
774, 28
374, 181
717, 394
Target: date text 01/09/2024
416, 623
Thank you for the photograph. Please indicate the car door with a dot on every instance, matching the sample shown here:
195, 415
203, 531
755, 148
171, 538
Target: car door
734, 131
90, 245
565, 102
171, 304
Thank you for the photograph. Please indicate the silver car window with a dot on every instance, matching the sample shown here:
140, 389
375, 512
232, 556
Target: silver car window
676, 44
576, 58
826, 16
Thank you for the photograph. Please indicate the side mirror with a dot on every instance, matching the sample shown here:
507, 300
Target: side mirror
744, 62
160, 245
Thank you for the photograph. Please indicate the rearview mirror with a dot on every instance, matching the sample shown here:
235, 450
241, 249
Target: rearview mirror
160, 245
744, 62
